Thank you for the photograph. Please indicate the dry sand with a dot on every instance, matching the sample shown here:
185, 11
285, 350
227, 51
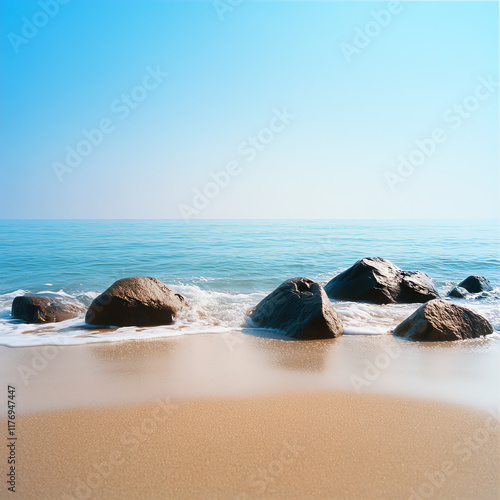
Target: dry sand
299, 446
190, 418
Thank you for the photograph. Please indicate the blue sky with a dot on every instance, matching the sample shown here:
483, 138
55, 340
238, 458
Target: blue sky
342, 126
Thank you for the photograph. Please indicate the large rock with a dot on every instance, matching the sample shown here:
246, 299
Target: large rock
300, 308
137, 301
440, 320
378, 280
472, 284
41, 309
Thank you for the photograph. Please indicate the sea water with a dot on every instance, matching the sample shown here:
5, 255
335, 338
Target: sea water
225, 267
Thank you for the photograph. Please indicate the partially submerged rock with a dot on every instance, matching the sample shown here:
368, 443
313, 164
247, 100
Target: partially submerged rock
458, 293
300, 308
42, 309
472, 284
378, 280
139, 301
440, 320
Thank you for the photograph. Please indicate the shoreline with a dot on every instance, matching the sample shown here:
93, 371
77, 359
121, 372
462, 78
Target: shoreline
209, 317
240, 365
236, 416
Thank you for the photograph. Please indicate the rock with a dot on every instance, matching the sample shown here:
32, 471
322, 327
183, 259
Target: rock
458, 292
139, 301
41, 309
472, 284
300, 308
378, 280
440, 320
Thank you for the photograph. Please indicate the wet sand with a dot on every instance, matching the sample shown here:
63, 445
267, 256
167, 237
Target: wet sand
213, 416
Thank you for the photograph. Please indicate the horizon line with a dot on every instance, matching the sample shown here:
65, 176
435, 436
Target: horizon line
187, 221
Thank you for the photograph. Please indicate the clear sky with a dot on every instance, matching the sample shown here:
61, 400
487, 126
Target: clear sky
297, 109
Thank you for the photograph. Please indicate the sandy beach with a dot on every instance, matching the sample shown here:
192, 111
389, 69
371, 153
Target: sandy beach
329, 445
236, 416
249, 250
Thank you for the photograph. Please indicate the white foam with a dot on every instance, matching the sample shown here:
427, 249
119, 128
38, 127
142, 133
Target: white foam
209, 312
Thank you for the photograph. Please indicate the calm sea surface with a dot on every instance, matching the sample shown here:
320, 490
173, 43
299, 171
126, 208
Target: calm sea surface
225, 267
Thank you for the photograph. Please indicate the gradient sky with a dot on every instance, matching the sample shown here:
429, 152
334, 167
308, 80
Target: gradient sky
353, 119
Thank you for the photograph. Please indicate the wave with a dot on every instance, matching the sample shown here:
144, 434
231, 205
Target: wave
212, 312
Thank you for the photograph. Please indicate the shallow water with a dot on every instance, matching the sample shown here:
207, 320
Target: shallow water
226, 267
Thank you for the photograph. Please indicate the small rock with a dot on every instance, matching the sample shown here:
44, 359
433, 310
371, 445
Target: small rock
472, 284
41, 309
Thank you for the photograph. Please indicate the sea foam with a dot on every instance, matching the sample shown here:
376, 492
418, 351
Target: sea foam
209, 312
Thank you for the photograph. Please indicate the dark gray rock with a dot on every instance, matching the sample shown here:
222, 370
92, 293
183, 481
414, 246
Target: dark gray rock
139, 301
458, 292
41, 309
378, 280
472, 284
300, 308
440, 320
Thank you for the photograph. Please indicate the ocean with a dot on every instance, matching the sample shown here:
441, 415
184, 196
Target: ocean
224, 267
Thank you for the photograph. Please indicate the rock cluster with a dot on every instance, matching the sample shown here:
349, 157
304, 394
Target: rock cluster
299, 307
379, 281
472, 284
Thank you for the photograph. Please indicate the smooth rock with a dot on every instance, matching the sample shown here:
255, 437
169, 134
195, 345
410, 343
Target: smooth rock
42, 309
139, 301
